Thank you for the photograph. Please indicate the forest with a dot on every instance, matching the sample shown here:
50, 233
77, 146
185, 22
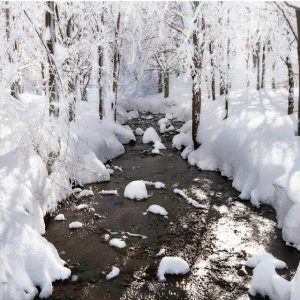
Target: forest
149, 150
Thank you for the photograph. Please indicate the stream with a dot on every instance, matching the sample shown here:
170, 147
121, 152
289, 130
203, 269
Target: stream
215, 241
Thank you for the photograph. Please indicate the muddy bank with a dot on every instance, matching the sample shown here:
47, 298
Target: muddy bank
215, 242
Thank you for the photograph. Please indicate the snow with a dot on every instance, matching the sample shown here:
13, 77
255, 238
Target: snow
172, 266
136, 190
265, 256
295, 293
139, 131
85, 193
109, 192
118, 168
265, 281
82, 207
156, 184
60, 217
161, 252
157, 209
150, 136
75, 225
163, 124
115, 271
291, 226
118, 243
189, 200
76, 190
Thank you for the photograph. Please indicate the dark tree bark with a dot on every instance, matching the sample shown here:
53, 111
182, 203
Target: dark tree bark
52, 85
166, 84
257, 54
100, 87
212, 65
273, 77
298, 51
291, 86
160, 82
196, 76
263, 67
116, 67
222, 83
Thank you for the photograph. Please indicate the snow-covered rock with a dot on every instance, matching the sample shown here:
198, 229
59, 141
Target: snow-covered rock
75, 225
157, 209
163, 124
85, 193
172, 266
60, 217
136, 190
265, 256
118, 243
139, 131
82, 206
115, 271
150, 136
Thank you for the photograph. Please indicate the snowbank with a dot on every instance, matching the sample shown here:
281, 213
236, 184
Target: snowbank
256, 147
265, 281
38, 161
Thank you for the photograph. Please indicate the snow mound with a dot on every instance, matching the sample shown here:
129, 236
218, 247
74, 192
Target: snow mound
136, 190
60, 217
115, 271
266, 282
118, 243
173, 266
157, 209
139, 131
189, 200
163, 124
75, 225
182, 139
265, 256
150, 136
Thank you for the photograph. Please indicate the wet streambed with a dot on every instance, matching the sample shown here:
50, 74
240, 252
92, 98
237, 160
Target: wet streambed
215, 242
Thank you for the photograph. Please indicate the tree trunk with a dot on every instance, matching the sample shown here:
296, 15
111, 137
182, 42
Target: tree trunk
298, 51
100, 87
258, 65
213, 81
222, 83
72, 77
263, 67
166, 84
291, 86
116, 68
273, 77
196, 75
52, 86
160, 83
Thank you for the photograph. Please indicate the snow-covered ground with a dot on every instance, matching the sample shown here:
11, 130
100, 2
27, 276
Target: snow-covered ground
38, 161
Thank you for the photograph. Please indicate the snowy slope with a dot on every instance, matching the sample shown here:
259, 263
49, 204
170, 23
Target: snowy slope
28, 192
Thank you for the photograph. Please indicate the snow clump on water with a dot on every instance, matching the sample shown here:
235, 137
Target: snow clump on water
136, 190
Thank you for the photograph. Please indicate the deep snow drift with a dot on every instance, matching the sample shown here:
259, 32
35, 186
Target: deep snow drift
39, 158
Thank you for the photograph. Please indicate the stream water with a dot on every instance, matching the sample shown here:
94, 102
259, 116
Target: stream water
215, 242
